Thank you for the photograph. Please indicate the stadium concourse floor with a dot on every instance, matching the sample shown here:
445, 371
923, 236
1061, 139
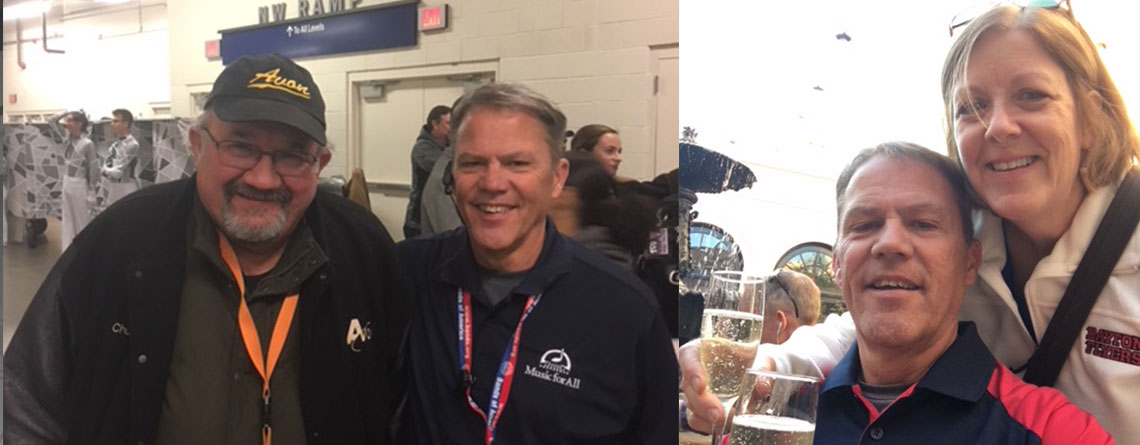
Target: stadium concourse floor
24, 271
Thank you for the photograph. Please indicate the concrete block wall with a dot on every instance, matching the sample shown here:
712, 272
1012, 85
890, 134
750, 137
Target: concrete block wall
592, 57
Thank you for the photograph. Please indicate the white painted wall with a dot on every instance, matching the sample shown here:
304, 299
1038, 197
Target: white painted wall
592, 57
113, 60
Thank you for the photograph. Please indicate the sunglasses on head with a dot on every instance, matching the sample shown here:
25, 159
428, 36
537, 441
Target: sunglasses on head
779, 282
968, 15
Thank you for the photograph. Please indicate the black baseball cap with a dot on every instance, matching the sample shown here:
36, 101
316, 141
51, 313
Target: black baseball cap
269, 88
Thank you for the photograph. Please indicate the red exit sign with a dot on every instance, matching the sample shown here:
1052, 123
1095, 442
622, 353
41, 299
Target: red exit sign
213, 49
434, 18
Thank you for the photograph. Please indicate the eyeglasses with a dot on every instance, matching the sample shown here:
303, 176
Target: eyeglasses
776, 278
245, 156
965, 17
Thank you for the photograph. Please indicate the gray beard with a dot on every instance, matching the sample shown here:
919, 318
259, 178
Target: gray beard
236, 229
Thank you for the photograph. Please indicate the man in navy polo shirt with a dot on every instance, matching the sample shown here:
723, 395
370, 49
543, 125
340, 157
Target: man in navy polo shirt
904, 256
522, 336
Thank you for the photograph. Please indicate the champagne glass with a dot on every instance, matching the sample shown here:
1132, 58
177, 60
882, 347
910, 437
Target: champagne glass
730, 332
775, 409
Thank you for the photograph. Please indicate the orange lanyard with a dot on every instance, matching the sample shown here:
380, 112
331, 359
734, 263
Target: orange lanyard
250, 338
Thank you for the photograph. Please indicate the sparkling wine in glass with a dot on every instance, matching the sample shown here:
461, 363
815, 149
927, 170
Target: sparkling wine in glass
730, 332
777, 409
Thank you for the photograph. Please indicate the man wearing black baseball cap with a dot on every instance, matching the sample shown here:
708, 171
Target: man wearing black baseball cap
237, 306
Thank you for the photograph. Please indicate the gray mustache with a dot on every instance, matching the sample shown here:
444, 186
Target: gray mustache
238, 189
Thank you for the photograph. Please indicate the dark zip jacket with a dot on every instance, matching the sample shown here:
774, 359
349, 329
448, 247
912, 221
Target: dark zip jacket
595, 364
72, 375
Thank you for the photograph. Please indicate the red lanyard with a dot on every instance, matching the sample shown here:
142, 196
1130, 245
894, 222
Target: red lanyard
506, 375
250, 338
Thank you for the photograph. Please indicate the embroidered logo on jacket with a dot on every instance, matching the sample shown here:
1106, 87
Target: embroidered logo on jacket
270, 80
357, 335
554, 366
1111, 345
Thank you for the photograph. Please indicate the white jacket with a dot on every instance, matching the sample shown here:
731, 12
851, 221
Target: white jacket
1106, 387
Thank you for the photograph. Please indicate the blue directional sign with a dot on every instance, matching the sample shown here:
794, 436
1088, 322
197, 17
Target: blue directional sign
363, 29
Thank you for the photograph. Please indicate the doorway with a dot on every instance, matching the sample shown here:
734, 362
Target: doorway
666, 70
389, 109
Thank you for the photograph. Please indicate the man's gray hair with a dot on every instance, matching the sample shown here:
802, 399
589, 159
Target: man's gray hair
514, 97
950, 171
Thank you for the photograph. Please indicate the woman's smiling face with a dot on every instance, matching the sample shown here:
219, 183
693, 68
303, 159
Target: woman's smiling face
1016, 128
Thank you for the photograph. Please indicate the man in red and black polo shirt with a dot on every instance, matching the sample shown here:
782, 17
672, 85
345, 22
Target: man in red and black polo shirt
904, 256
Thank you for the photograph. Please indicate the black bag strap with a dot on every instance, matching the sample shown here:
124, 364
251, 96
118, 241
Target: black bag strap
1092, 273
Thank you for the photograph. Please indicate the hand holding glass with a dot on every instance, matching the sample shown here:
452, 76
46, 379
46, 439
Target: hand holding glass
730, 332
776, 409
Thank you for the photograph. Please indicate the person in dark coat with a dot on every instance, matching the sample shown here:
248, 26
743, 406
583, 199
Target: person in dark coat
240, 305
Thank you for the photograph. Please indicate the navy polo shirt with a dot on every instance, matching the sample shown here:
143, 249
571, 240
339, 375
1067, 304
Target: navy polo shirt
966, 397
595, 362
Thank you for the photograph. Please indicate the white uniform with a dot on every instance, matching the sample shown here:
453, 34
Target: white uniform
1102, 372
120, 168
79, 179
78, 194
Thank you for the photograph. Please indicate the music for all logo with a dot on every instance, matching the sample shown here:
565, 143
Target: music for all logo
554, 366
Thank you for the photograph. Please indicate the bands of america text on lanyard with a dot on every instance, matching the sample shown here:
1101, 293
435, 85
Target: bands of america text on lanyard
505, 377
